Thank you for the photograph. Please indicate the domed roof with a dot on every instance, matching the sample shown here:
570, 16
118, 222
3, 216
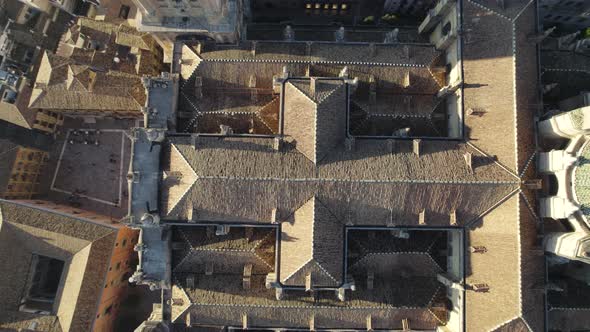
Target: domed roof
581, 183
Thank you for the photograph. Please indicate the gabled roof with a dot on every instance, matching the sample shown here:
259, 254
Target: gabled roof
64, 85
378, 182
311, 246
315, 113
84, 246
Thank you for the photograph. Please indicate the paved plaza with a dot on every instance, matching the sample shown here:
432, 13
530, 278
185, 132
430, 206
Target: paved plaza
90, 169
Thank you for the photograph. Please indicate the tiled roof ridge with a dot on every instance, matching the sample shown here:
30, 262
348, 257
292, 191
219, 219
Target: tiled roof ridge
261, 241
414, 181
274, 306
508, 170
263, 108
489, 9
493, 207
324, 270
522, 11
297, 270
527, 164
566, 70
529, 206
319, 62
434, 295
330, 94
188, 189
195, 108
262, 260
514, 79
520, 257
551, 308
435, 316
186, 299
303, 93
495, 328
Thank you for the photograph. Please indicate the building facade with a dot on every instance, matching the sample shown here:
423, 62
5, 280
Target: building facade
76, 285
16, 90
27, 28
21, 169
96, 72
167, 19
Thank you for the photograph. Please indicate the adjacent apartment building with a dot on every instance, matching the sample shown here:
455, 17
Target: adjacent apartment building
219, 20
96, 72
20, 170
65, 272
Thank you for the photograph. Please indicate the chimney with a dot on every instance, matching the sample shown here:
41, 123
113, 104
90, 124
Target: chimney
312, 323
406, 83
370, 279
188, 320
407, 52
480, 288
209, 268
244, 321
453, 218
246, 279
478, 249
469, 161
369, 323
416, 146
534, 184
406, 325
390, 221
252, 81
277, 143
343, 72
274, 215
190, 281
372, 50
312, 86
308, 282
253, 48
422, 218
